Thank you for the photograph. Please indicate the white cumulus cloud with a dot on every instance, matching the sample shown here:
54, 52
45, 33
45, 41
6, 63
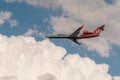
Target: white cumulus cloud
116, 78
34, 32
5, 16
8, 78
23, 58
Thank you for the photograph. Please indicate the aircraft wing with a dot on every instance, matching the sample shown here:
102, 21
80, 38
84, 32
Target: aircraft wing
75, 41
75, 33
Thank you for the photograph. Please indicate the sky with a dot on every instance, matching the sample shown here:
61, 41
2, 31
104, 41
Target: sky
25, 23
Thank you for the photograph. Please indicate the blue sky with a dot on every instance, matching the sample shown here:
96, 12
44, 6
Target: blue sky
39, 18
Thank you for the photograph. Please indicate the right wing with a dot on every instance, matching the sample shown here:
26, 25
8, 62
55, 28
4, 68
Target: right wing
75, 41
75, 33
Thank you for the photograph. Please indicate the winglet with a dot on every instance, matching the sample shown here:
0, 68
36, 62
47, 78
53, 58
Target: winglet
102, 27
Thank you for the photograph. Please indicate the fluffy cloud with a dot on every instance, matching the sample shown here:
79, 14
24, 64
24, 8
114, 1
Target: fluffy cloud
31, 32
13, 23
64, 25
34, 32
6, 16
97, 45
8, 78
23, 58
116, 78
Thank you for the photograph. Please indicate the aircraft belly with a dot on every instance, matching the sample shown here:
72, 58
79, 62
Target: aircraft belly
82, 37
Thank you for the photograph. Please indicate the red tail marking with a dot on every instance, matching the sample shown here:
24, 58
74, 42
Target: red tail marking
98, 30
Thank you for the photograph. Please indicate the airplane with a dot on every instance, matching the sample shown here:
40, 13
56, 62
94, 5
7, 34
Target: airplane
75, 35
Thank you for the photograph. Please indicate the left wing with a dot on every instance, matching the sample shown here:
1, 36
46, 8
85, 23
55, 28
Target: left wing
74, 34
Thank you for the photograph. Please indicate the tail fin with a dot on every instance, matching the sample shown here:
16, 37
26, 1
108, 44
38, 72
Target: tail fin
99, 29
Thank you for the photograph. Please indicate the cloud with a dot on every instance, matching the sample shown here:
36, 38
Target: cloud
23, 58
37, 3
97, 45
12, 1
44, 3
116, 78
47, 76
64, 25
91, 13
5, 16
34, 32
31, 32
13, 23
8, 78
